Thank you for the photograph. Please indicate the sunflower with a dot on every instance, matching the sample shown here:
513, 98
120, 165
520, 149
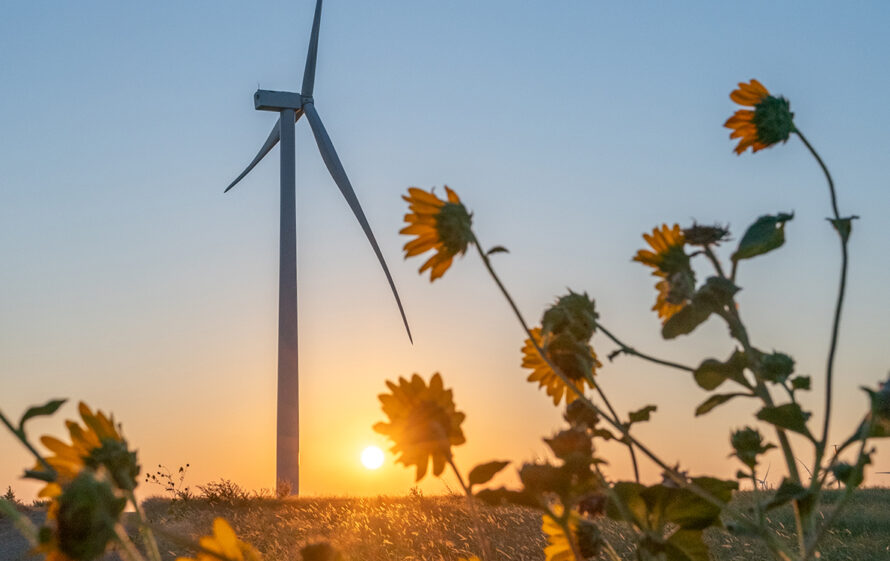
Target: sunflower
546, 377
443, 226
97, 443
423, 423
81, 520
558, 546
671, 264
225, 545
769, 122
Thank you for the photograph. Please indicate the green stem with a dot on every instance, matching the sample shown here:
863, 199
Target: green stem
631, 351
714, 261
145, 529
835, 329
480, 536
21, 436
633, 455
25, 527
130, 549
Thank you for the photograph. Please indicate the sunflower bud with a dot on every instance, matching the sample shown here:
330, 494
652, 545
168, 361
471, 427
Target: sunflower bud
573, 314
748, 444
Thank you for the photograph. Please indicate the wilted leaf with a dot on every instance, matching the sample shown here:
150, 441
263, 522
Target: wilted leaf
800, 383
604, 434
766, 234
483, 473
789, 416
497, 249
503, 496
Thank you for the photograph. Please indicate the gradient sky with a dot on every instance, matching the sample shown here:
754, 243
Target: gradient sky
569, 128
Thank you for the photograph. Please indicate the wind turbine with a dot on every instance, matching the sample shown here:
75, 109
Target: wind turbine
290, 107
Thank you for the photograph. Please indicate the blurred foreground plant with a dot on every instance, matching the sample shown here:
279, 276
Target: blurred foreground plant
89, 482
668, 519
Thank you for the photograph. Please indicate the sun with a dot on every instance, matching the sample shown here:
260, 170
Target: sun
372, 457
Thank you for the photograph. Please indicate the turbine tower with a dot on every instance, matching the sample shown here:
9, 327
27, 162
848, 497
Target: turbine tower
291, 106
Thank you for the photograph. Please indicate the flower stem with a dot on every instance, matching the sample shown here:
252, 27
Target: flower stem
829, 368
630, 447
474, 513
129, 547
21, 436
25, 527
631, 351
145, 529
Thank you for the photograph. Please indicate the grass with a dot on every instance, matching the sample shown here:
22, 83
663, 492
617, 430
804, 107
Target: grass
442, 528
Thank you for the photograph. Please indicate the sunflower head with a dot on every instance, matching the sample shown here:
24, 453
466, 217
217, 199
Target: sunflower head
98, 443
769, 122
671, 264
82, 520
575, 359
444, 226
423, 422
224, 542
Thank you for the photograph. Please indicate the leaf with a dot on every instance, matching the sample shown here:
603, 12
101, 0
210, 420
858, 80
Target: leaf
711, 373
714, 401
800, 383
687, 545
642, 414
44, 410
844, 226
691, 512
484, 472
39, 475
497, 249
789, 416
604, 434
502, 496
766, 234
629, 495
686, 320
788, 491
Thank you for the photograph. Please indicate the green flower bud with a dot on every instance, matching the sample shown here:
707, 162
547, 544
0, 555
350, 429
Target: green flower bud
748, 444
573, 314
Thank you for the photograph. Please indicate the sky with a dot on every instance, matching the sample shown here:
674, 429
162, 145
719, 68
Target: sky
131, 282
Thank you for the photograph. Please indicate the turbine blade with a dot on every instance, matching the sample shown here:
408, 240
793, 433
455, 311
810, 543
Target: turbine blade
309, 71
329, 155
270, 143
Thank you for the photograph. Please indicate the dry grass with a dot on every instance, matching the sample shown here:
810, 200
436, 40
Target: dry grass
442, 528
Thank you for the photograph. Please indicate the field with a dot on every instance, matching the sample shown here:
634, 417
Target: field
442, 528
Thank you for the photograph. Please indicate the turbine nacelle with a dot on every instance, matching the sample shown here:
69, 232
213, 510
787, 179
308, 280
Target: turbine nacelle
269, 100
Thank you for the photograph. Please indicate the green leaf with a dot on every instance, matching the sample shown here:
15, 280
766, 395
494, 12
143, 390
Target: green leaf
642, 414
788, 491
766, 234
39, 475
687, 545
844, 226
502, 496
46, 409
604, 434
686, 320
483, 473
691, 512
497, 249
789, 416
629, 495
714, 401
711, 373
800, 383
